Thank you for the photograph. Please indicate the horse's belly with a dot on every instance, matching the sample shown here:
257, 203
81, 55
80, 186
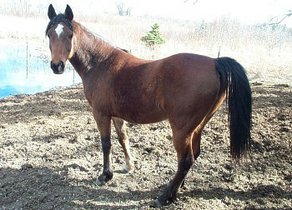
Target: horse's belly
141, 114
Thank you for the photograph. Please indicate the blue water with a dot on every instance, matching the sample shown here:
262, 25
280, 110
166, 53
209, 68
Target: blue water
25, 69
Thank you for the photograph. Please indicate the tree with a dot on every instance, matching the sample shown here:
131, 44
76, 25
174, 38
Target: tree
153, 37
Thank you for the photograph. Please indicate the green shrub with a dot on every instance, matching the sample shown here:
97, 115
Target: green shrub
153, 37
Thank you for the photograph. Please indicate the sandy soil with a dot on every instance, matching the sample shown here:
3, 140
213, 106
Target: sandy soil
50, 156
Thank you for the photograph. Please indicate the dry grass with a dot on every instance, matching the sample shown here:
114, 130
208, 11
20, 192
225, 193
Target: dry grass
264, 51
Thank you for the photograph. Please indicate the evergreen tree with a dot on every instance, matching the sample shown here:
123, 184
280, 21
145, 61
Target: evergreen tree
153, 37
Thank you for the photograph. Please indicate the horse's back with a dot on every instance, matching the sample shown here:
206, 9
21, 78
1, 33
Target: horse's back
189, 64
188, 72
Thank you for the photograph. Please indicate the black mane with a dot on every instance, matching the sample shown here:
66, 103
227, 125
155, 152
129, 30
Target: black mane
60, 18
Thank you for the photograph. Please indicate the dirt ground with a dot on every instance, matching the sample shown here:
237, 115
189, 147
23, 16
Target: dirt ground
50, 156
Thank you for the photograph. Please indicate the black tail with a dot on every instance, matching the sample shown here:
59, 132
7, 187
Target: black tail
238, 95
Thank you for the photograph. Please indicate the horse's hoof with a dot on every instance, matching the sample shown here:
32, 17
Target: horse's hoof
159, 203
104, 178
164, 200
128, 169
100, 183
156, 204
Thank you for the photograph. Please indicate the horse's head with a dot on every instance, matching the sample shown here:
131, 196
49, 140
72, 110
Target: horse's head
60, 33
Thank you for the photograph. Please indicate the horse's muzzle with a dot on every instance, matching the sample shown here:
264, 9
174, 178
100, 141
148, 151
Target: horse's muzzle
58, 68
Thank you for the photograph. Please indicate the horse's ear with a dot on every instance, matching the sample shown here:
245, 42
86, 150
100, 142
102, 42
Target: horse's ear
51, 12
69, 13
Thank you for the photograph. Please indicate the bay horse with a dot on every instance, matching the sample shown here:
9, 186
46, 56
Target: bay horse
185, 89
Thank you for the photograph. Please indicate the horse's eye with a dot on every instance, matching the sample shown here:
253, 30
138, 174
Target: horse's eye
71, 36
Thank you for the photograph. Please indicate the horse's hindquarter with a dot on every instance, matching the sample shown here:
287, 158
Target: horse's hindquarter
189, 79
191, 89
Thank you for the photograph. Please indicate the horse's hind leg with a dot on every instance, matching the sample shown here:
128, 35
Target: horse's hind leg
182, 141
196, 142
121, 130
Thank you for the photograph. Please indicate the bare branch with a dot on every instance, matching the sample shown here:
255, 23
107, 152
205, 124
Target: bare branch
193, 1
277, 22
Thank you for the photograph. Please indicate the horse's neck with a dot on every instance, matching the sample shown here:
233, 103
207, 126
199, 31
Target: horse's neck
90, 51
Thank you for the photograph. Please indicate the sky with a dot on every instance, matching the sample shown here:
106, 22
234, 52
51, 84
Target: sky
249, 11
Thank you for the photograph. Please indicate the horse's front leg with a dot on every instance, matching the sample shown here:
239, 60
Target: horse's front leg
121, 130
104, 127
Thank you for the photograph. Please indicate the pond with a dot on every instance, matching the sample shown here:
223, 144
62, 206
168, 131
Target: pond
25, 68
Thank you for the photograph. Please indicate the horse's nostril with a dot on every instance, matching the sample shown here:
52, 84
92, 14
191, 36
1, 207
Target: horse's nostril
62, 65
53, 66
58, 68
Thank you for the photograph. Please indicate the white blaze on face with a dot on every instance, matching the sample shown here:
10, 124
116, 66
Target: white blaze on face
59, 30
